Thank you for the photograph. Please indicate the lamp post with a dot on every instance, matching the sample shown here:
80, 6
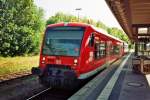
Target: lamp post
78, 9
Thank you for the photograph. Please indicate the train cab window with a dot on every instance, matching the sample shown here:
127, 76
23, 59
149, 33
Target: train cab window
63, 41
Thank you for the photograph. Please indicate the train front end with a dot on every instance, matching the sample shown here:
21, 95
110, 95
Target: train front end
60, 56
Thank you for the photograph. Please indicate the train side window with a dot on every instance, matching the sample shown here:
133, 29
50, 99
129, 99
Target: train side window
102, 49
91, 41
111, 50
97, 49
116, 50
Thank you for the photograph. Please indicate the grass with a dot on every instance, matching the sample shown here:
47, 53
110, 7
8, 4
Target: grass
10, 65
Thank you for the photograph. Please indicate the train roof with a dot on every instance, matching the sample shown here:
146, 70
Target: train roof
69, 24
100, 30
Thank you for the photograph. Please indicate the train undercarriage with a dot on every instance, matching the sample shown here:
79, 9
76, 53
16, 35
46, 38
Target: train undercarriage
57, 76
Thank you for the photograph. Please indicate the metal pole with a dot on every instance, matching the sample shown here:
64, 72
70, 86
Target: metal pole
136, 49
78, 9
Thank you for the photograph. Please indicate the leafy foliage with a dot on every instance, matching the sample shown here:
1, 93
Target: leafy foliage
118, 33
61, 17
20, 24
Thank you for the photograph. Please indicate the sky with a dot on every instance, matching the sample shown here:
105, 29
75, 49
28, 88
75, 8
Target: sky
92, 9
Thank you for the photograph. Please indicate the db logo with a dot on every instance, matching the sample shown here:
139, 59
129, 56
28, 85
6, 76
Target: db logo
58, 61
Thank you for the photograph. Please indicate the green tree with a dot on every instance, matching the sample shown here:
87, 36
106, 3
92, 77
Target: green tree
61, 17
20, 24
118, 33
101, 25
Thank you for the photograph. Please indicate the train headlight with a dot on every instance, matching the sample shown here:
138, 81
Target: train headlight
75, 61
43, 60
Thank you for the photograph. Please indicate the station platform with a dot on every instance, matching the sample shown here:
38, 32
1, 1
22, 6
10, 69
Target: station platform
117, 82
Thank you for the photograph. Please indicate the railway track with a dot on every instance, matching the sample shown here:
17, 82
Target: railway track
15, 79
52, 94
58, 94
38, 94
12, 83
20, 88
28, 88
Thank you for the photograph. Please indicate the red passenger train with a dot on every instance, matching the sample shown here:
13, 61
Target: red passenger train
75, 51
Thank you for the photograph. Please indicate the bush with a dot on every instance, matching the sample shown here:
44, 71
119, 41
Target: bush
20, 24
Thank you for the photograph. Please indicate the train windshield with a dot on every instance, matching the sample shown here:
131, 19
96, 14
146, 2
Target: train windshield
63, 41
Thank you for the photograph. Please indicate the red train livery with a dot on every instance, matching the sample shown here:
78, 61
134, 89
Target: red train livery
74, 51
